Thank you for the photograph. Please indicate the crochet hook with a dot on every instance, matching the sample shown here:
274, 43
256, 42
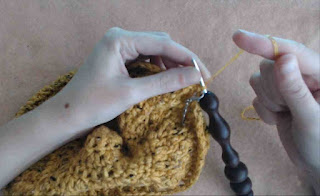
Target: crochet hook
203, 85
235, 170
194, 97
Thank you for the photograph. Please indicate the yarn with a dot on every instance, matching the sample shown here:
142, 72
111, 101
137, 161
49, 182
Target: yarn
244, 117
275, 46
234, 58
149, 153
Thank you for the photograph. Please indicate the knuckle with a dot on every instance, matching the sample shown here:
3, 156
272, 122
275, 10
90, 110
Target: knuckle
288, 87
301, 46
297, 47
300, 92
254, 80
164, 82
265, 64
182, 80
165, 44
130, 93
261, 113
113, 37
113, 30
165, 40
295, 89
303, 94
255, 103
164, 34
113, 33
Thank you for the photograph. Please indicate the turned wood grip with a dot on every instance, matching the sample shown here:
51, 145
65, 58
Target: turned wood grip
235, 171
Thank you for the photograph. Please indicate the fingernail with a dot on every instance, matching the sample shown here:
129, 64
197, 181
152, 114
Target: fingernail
247, 32
288, 67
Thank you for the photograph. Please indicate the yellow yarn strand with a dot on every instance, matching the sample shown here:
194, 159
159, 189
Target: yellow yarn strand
244, 117
275, 46
235, 57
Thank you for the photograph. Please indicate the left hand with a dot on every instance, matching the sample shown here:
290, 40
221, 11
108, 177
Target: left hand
102, 88
99, 91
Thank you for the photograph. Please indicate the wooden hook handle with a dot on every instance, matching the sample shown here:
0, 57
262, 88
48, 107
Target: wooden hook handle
235, 171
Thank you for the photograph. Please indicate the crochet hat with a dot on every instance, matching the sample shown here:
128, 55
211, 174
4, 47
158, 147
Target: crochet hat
148, 152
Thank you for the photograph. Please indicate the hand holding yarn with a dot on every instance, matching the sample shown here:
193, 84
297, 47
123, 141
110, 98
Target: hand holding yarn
288, 95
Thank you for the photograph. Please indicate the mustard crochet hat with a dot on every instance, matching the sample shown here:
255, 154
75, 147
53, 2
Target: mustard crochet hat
148, 152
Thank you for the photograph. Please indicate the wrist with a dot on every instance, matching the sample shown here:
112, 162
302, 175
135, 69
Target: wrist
62, 116
28, 138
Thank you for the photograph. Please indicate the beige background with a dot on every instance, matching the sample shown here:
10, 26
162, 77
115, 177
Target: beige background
42, 39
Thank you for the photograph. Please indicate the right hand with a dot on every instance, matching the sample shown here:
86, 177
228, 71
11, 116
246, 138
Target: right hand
288, 95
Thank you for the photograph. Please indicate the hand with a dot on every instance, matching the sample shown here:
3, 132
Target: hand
102, 88
100, 91
288, 95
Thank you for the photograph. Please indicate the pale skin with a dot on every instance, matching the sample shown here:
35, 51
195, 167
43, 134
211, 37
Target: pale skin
288, 96
102, 89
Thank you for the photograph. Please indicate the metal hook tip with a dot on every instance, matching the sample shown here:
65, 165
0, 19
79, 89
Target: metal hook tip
202, 83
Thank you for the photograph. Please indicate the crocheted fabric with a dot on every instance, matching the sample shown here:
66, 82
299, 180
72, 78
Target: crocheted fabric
149, 152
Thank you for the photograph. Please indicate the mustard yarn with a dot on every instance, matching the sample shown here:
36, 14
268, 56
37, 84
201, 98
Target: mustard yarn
149, 153
234, 58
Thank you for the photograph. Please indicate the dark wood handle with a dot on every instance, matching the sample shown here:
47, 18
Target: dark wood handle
235, 171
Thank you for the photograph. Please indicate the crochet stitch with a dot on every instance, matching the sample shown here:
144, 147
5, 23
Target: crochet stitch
147, 153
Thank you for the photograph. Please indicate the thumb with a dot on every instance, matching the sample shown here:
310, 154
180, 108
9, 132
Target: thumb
293, 88
166, 81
